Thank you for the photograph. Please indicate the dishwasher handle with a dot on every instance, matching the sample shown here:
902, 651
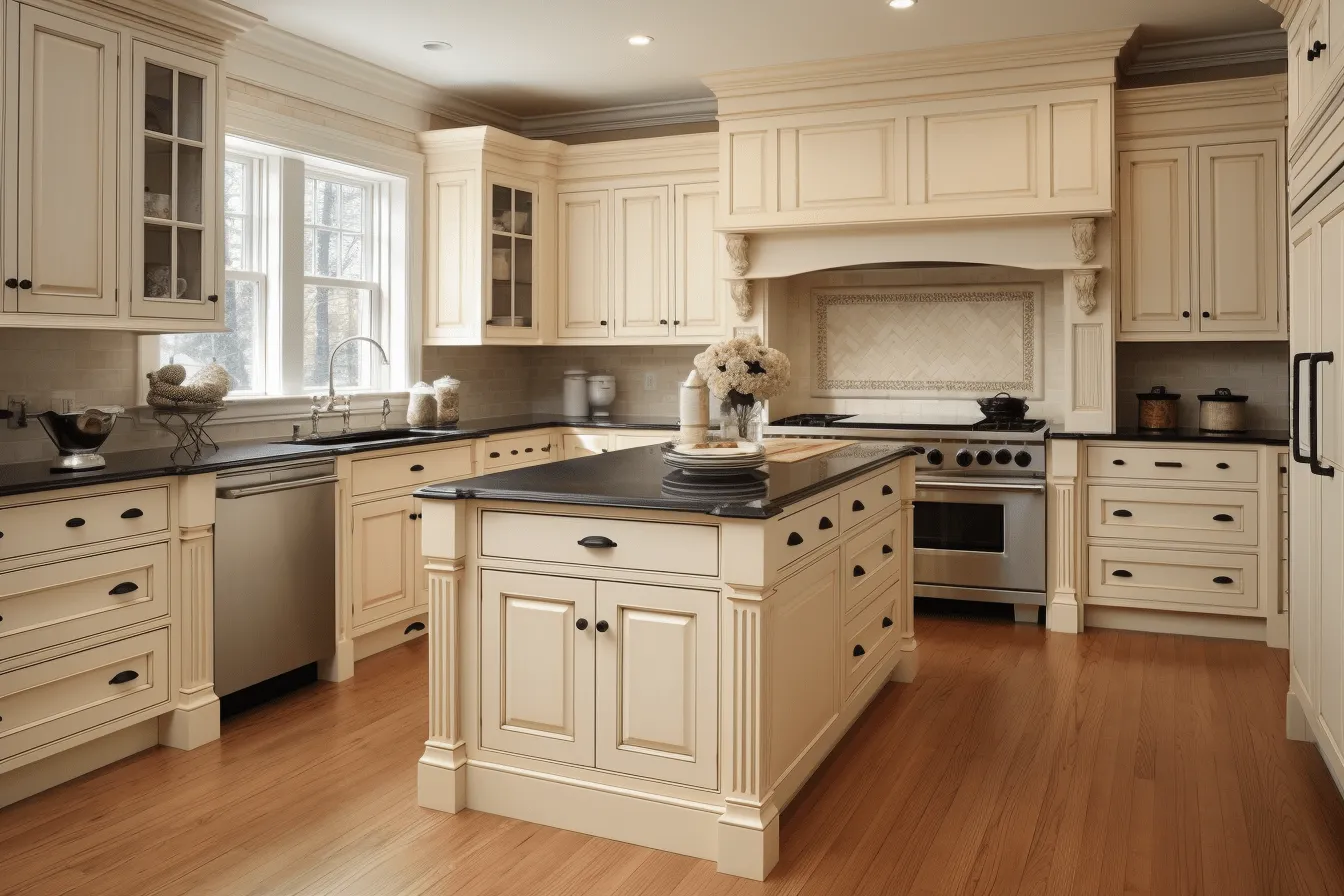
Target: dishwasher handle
268, 488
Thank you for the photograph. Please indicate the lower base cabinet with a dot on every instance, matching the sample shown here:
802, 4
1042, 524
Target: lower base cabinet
384, 574
613, 675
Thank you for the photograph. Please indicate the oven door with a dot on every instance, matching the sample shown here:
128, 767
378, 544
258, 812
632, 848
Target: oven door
980, 534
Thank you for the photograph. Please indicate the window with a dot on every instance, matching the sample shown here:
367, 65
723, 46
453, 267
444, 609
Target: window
288, 309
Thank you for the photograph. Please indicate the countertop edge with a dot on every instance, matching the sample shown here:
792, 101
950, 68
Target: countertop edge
1272, 438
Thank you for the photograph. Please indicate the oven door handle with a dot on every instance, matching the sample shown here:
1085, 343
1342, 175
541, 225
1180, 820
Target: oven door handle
985, 486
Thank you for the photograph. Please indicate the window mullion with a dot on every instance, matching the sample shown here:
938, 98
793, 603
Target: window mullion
287, 286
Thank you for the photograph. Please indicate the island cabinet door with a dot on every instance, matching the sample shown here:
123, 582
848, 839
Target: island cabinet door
537, 637
658, 683
383, 571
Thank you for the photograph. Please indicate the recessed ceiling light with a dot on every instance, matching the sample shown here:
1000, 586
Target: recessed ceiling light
437, 46
639, 40
901, 4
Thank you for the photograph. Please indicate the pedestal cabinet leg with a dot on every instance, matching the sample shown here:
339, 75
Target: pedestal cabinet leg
907, 663
194, 719
442, 775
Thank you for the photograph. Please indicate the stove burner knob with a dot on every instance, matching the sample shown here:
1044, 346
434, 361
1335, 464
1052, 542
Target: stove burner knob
934, 457
964, 458
1022, 458
984, 458
1003, 456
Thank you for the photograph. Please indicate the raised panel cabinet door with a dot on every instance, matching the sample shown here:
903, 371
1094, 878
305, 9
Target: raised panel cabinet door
699, 294
640, 264
383, 569
1328, 326
586, 445
65, 221
1304, 488
452, 271
537, 641
657, 682
584, 270
1155, 232
1240, 232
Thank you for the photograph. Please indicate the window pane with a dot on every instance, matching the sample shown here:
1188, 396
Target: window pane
352, 257
321, 253
238, 351
309, 190
331, 314
235, 186
234, 256
326, 199
352, 209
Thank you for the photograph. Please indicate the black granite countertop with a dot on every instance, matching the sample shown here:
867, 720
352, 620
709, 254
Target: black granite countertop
148, 463
636, 479
1133, 434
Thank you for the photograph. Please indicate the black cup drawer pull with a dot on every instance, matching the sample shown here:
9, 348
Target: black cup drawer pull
794, 539
886, 622
123, 677
1223, 518
124, 588
858, 650
858, 572
886, 549
858, 507
1168, 464
133, 514
417, 468
494, 454
596, 541
1224, 466
1123, 514
886, 490
1123, 574
414, 627
74, 522
1118, 462
825, 523
1222, 580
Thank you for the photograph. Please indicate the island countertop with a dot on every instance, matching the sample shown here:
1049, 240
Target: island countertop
638, 478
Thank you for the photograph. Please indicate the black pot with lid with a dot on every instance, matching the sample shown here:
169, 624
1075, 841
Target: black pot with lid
1159, 409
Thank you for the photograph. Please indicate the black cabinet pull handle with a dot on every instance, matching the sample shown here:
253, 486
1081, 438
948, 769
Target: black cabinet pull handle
527, 450
1283, 469
858, 506
123, 677
886, 549
212, 298
825, 523
124, 588
886, 622
663, 322
1168, 464
1205, 315
414, 627
1118, 462
602, 625
1222, 518
1123, 574
494, 454
514, 451
25, 284
858, 572
414, 516
1224, 466
133, 514
417, 468
676, 323
581, 624
543, 448
858, 650
794, 539
1222, 580
602, 322
1121, 513
886, 489
74, 522
12, 283
596, 541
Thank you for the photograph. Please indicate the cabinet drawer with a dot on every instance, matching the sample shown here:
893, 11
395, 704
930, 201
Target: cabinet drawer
870, 498
47, 701
803, 531
1174, 580
1174, 514
869, 564
682, 548
640, 439
1173, 464
53, 525
46, 605
867, 642
404, 471
501, 453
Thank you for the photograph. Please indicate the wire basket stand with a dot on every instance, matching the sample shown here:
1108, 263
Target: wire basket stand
187, 424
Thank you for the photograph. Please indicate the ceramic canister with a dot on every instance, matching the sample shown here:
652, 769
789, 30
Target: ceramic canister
1159, 409
1222, 412
694, 411
576, 393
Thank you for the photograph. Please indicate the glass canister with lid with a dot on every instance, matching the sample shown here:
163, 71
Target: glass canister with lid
447, 394
420, 409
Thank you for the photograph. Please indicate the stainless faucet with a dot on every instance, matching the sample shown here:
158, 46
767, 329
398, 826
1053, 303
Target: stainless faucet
331, 368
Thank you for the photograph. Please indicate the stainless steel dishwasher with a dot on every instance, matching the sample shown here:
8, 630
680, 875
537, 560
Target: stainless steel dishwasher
275, 571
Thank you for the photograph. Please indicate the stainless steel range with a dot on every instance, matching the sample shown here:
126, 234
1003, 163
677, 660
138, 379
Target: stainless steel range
979, 502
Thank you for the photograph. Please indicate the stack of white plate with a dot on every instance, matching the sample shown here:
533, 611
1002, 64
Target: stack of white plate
714, 461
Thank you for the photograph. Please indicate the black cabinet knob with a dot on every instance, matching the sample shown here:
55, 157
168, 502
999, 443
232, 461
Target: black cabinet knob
417, 468
858, 506
1223, 518
414, 516
133, 514
825, 523
12, 283
858, 572
123, 677
25, 284
596, 541
1118, 462
794, 539
1229, 466
1204, 314
527, 450
663, 322
1123, 574
1123, 514
494, 454
543, 448
74, 522
602, 625
1185, 314
603, 323
886, 622
581, 624
886, 549
1222, 580
514, 451
886, 490
676, 323
858, 650
414, 627
124, 588
212, 298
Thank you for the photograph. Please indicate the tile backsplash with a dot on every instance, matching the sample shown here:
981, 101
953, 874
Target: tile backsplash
1260, 370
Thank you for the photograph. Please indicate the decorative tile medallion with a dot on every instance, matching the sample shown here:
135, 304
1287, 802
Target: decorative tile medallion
927, 341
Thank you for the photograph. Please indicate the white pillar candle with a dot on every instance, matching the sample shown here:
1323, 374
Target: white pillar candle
694, 410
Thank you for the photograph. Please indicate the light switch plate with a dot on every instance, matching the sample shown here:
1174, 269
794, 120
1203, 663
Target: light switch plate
650, 381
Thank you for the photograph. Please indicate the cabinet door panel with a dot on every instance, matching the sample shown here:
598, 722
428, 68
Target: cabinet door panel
586, 445
657, 683
640, 268
1154, 220
1239, 237
699, 305
537, 666
385, 551
1328, 323
67, 165
584, 307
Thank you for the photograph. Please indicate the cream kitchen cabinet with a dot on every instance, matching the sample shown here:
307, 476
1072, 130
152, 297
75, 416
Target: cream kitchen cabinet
583, 292
585, 444
383, 565
1201, 213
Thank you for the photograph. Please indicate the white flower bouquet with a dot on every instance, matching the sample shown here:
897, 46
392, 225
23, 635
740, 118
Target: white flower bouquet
741, 373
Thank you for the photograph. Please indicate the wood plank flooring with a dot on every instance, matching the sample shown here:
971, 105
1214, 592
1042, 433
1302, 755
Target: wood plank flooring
1018, 762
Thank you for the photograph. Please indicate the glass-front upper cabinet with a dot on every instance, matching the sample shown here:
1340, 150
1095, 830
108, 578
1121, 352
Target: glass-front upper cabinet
510, 295
174, 264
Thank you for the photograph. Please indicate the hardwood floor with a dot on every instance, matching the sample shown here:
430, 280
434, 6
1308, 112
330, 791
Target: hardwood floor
1019, 762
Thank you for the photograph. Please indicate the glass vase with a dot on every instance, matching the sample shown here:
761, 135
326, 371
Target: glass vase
743, 422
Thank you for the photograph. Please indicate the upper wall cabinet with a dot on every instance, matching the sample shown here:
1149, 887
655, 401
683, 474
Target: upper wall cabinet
1202, 215
110, 181
973, 132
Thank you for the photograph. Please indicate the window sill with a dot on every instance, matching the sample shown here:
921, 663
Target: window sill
287, 408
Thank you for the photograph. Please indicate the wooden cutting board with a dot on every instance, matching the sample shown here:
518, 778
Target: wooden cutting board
788, 451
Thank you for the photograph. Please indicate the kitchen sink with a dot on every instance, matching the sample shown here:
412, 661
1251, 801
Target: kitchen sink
359, 437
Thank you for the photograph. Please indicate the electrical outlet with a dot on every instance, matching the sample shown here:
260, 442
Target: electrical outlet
650, 381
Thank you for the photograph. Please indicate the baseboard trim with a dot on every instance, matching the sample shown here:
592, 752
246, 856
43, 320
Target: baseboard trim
1162, 622
67, 765
390, 636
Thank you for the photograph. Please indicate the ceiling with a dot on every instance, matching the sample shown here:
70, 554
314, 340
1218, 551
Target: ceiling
535, 58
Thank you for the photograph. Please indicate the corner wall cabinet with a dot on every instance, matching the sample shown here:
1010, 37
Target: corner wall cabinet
1202, 212
113, 141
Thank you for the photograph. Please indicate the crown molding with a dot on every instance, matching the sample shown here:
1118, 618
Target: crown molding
621, 117
1211, 52
484, 138
214, 19
1236, 104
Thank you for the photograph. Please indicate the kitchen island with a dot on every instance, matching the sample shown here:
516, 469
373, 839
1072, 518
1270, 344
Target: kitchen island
616, 653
